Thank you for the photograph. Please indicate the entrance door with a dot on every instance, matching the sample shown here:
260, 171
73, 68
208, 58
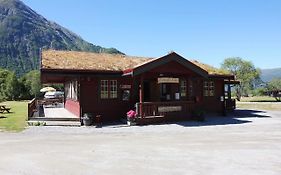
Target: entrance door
165, 91
169, 91
146, 91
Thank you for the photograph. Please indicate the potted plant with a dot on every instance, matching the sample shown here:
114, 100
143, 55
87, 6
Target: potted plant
131, 117
87, 119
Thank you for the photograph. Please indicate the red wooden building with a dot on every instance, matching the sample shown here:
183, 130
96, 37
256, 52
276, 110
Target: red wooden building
170, 87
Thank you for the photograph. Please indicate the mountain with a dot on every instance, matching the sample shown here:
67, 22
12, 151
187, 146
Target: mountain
269, 74
23, 32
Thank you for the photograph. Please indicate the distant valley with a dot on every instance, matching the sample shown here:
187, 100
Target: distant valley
269, 74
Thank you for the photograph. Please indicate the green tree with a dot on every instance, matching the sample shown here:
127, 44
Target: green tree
30, 84
3, 77
8, 85
274, 86
245, 72
12, 84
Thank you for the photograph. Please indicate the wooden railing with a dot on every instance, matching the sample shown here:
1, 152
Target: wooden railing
50, 101
31, 107
150, 109
230, 104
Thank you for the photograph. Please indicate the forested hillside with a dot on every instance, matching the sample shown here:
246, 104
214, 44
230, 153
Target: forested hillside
23, 33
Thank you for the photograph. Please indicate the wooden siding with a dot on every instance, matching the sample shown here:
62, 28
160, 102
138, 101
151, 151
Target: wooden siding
73, 107
214, 103
109, 109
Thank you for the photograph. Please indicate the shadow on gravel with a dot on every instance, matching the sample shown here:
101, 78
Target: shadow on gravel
236, 117
239, 116
211, 121
242, 113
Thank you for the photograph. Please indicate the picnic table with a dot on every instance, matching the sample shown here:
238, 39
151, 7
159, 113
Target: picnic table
3, 109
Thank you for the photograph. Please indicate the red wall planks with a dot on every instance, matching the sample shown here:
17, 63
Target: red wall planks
73, 107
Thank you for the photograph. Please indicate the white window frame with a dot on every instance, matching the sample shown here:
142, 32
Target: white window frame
108, 89
209, 88
183, 88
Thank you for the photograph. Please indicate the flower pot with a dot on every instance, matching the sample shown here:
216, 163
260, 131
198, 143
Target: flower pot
131, 122
87, 119
87, 122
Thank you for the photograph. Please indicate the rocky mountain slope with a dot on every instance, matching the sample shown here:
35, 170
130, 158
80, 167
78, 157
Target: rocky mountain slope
23, 33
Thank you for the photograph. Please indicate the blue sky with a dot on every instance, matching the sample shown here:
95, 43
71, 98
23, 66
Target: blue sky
208, 31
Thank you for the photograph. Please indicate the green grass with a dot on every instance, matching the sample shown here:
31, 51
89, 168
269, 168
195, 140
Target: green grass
16, 120
258, 99
260, 106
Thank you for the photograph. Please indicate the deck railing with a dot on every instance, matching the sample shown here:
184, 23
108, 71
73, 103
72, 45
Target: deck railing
50, 101
230, 104
31, 106
150, 109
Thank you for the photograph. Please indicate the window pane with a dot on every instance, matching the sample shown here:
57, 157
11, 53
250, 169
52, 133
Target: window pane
183, 88
206, 88
113, 88
212, 88
206, 93
209, 88
211, 92
104, 89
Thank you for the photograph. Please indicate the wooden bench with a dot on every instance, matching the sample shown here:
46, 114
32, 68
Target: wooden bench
3, 109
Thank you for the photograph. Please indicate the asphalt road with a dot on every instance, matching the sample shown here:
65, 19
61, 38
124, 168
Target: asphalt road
247, 142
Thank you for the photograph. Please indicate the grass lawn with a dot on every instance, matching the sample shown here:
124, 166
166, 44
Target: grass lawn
272, 106
258, 99
259, 103
16, 120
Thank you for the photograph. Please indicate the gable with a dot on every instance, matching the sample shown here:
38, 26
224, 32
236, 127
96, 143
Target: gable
174, 59
172, 67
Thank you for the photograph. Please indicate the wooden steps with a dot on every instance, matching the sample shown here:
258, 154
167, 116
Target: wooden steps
150, 120
53, 119
75, 122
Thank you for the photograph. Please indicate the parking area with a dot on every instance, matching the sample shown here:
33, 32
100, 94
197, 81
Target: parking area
246, 142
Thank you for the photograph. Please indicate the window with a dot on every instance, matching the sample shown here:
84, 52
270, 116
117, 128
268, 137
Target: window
104, 89
183, 88
108, 89
113, 88
71, 90
209, 88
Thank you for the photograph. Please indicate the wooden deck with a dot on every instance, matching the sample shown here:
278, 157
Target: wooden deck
230, 104
54, 115
155, 112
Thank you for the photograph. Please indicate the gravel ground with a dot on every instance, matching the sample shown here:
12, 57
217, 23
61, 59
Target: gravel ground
248, 142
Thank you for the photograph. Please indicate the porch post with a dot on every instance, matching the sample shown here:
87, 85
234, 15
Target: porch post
229, 91
141, 96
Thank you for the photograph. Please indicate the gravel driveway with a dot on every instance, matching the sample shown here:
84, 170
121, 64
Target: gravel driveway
247, 142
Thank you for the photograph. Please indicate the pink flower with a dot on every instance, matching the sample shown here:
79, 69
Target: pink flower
131, 114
